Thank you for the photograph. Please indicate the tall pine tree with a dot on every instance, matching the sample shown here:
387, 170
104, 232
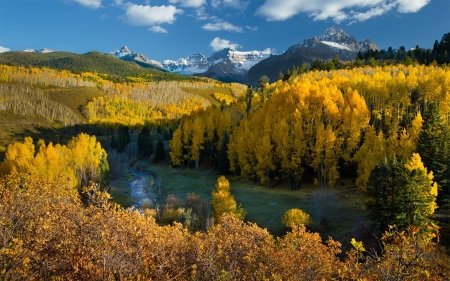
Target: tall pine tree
400, 194
434, 148
160, 153
145, 142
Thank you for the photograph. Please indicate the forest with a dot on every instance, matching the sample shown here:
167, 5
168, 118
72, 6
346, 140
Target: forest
375, 137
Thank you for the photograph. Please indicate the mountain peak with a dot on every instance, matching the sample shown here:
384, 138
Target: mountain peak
336, 34
124, 51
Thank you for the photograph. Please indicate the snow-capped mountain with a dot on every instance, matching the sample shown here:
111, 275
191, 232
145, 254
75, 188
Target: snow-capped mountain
226, 65
43, 50
125, 54
199, 64
334, 41
190, 65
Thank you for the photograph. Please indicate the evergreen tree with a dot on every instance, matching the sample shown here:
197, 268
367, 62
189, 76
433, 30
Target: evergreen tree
263, 81
223, 163
317, 64
400, 194
145, 142
280, 76
434, 148
160, 153
123, 138
113, 142
248, 99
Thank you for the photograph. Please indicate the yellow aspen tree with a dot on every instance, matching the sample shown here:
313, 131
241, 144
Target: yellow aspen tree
264, 154
19, 158
176, 148
223, 201
197, 140
372, 152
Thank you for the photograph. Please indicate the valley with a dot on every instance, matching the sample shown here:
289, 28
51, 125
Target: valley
111, 169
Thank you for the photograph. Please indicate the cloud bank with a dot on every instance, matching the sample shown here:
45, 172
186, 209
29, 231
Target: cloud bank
337, 10
218, 44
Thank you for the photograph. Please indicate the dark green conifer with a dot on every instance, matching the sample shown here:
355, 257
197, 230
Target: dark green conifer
145, 142
434, 148
160, 153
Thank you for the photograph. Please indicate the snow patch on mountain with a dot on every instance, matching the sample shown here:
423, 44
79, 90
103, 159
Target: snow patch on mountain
337, 38
43, 50
336, 45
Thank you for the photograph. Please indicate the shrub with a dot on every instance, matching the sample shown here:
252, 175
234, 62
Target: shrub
296, 217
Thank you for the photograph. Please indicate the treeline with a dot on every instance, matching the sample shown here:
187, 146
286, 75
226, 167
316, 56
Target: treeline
440, 54
330, 124
47, 233
28, 101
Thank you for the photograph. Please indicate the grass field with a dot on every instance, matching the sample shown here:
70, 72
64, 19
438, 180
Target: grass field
266, 206
73, 97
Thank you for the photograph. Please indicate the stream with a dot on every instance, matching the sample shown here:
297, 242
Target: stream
139, 189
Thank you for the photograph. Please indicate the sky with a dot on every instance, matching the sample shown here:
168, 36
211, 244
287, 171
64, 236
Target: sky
173, 29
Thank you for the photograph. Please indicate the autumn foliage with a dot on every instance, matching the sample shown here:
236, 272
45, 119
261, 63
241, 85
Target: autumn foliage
47, 233
320, 121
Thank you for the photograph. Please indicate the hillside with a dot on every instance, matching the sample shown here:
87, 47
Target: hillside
95, 62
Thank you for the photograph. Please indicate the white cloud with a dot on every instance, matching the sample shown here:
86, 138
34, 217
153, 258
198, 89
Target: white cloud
219, 24
146, 15
200, 14
4, 49
94, 4
252, 28
218, 44
337, 10
157, 29
411, 6
236, 4
189, 3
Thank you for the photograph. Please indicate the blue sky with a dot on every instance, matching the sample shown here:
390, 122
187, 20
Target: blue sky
171, 29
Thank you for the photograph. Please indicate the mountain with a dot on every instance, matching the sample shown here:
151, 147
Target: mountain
334, 41
226, 65
125, 54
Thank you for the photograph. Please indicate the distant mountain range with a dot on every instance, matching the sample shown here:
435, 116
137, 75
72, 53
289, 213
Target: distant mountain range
229, 65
